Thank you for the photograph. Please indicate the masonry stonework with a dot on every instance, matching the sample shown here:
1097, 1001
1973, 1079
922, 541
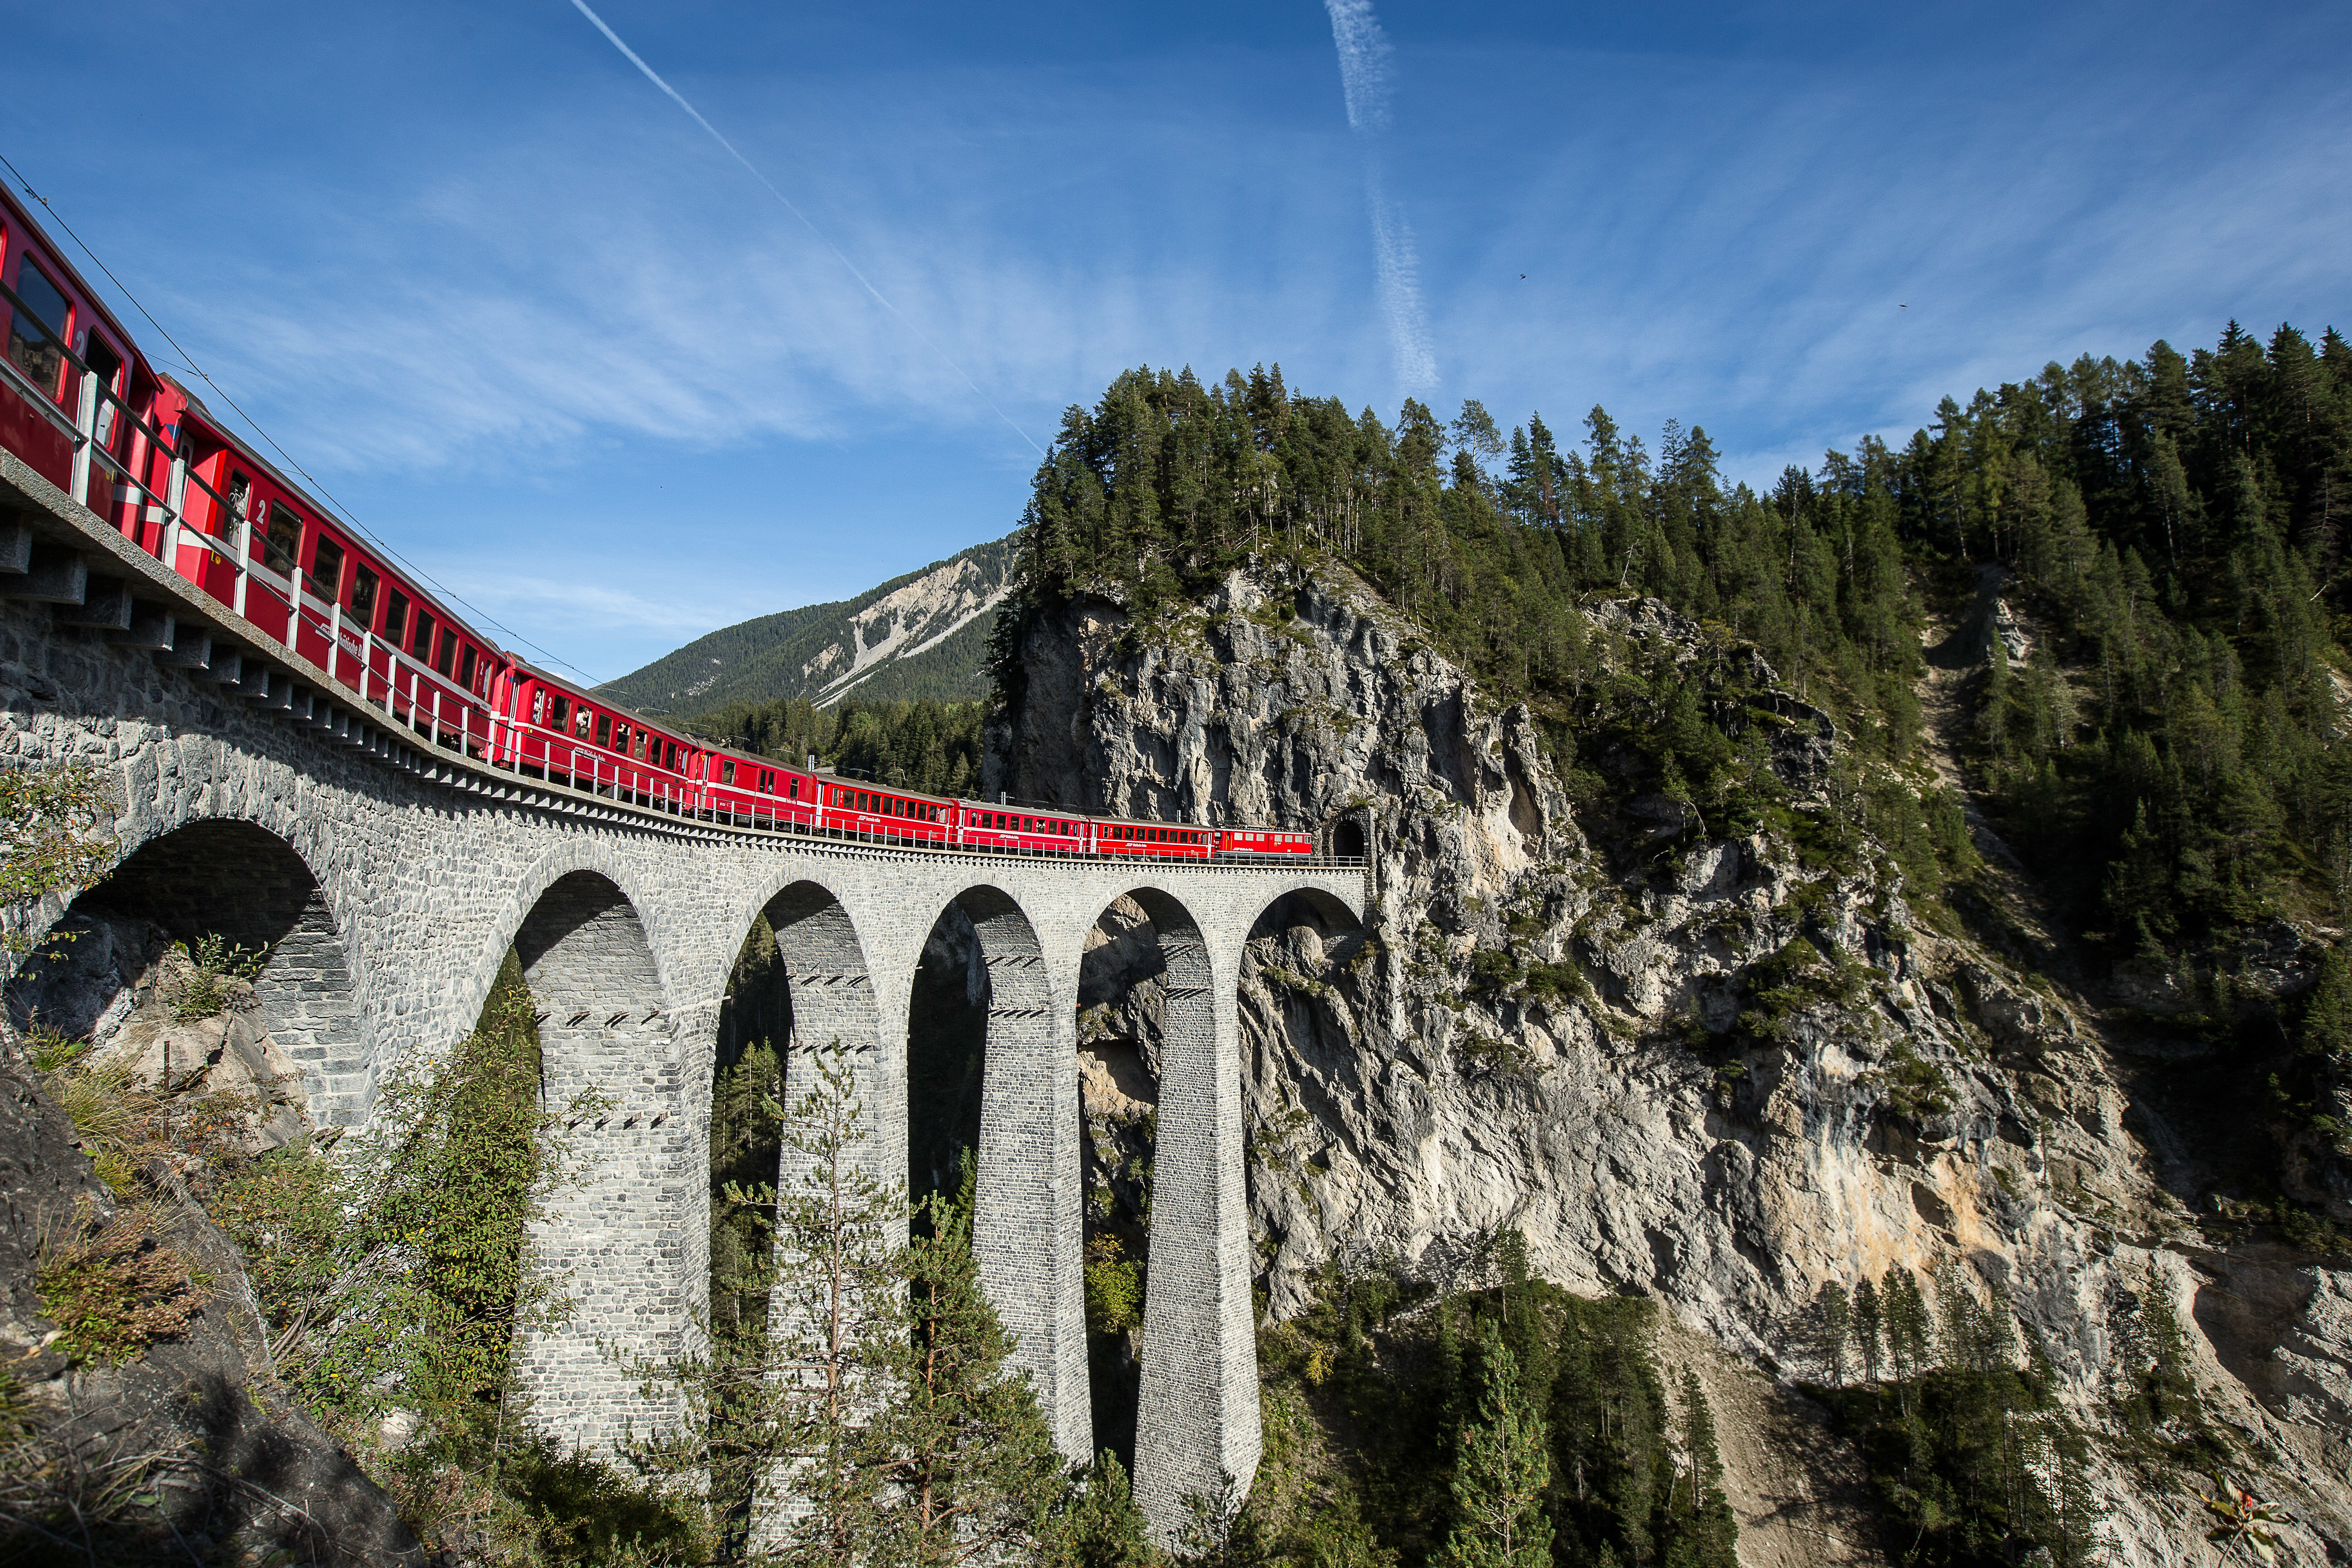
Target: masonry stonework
392, 877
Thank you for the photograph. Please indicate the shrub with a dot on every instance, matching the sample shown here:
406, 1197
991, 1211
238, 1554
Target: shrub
1114, 1287
1916, 1088
112, 1288
218, 964
55, 837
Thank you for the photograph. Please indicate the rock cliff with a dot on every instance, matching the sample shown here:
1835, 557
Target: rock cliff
1720, 1071
187, 1449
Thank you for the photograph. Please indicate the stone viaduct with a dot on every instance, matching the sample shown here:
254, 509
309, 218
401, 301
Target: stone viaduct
263, 801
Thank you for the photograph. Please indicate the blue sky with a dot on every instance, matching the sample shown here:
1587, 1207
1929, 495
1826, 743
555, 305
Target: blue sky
530, 324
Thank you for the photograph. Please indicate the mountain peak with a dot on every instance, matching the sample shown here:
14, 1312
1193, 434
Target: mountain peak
923, 634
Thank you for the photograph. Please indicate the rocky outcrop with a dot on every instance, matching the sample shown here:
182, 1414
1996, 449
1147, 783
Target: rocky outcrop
189, 1450
1722, 1072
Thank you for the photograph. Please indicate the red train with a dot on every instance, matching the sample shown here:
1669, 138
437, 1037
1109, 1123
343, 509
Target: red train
84, 409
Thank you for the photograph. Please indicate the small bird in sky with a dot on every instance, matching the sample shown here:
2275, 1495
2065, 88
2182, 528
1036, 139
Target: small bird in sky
1902, 307
1523, 276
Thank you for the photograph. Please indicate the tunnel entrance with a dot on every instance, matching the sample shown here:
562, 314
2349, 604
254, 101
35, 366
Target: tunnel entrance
1346, 836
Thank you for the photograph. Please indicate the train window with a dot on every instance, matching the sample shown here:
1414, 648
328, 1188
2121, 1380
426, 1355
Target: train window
240, 497
560, 714
448, 651
727, 772
396, 618
41, 358
640, 752
465, 667
580, 723
280, 539
327, 570
669, 755
363, 597
605, 738
420, 641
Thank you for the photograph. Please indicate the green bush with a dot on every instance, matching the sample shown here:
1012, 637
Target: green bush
218, 964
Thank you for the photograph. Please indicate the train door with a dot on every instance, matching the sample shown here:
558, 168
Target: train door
108, 432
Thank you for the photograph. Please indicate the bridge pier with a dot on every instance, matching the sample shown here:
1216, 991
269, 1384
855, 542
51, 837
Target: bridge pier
1028, 1228
1197, 1411
629, 1240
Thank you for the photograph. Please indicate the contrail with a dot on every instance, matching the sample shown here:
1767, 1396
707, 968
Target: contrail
1364, 52
675, 97
1363, 62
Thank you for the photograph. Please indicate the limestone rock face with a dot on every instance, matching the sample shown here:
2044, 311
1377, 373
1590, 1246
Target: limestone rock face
1522, 1038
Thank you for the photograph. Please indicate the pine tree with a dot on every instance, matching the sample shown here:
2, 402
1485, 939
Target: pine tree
1705, 1534
958, 1441
1097, 1523
1505, 1466
831, 1324
1833, 1325
787, 1416
1866, 1325
2327, 1022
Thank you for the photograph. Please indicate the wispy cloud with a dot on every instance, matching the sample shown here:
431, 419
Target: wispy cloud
789, 205
1364, 55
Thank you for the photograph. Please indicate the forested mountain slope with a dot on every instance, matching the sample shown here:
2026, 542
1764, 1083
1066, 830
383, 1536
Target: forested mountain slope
1927, 875
921, 636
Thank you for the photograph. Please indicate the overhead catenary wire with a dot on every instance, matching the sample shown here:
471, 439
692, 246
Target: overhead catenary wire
838, 254
344, 513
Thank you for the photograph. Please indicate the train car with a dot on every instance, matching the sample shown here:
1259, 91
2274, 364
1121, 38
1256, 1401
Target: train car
864, 810
257, 542
1023, 827
1251, 843
1153, 840
78, 389
550, 730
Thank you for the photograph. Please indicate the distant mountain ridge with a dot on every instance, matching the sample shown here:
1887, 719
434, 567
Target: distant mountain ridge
923, 634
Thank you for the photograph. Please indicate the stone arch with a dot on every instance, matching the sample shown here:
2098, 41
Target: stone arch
828, 995
1027, 1236
246, 884
832, 989
1329, 911
625, 1240
1197, 1407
